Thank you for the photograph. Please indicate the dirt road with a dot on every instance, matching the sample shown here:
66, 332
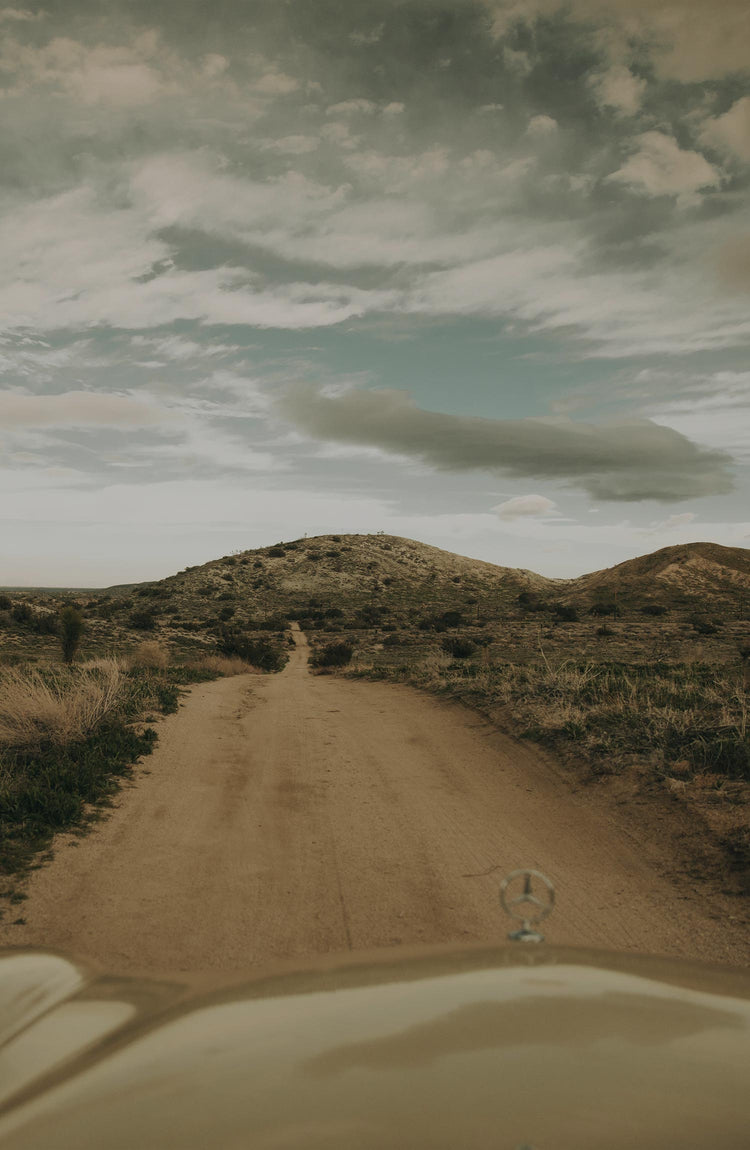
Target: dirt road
293, 815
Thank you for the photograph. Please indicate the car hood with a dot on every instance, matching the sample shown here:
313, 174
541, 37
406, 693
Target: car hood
472, 1049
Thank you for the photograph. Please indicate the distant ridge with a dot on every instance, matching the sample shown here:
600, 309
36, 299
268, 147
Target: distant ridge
705, 572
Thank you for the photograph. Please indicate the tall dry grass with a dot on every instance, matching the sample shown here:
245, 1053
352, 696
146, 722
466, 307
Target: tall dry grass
60, 705
694, 715
149, 655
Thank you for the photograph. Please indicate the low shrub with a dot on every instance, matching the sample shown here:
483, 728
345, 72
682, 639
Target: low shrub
458, 647
142, 620
704, 626
333, 655
604, 608
264, 653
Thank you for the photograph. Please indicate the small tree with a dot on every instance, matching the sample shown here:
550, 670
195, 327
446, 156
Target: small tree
71, 630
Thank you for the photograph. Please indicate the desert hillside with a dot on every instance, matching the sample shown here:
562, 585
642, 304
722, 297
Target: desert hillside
678, 603
718, 578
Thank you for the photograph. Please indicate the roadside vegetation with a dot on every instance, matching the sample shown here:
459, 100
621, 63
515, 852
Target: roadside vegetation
71, 733
682, 726
687, 719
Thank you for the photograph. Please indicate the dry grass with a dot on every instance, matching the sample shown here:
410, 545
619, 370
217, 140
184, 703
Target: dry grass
57, 706
150, 655
608, 713
225, 665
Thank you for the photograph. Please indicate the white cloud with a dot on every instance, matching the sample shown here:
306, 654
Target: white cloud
20, 14
290, 145
687, 40
714, 409
352, 108
672, 523
539, 282
661, 168
123, 75
618, 88
275, 84
522, 506
72, 261
540, 126
731, 132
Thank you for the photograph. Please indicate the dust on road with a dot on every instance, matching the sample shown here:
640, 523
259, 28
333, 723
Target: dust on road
294, 815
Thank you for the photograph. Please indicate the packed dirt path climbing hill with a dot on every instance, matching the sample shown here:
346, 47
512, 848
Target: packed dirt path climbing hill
292, 815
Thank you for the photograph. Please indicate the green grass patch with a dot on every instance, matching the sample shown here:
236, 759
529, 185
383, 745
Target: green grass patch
51, 789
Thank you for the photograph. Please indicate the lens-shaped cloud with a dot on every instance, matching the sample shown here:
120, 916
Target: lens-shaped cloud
623, 460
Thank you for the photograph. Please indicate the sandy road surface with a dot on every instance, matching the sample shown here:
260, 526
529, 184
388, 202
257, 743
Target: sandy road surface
292, 815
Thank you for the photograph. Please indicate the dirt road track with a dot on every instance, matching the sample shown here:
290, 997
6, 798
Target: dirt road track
293, 815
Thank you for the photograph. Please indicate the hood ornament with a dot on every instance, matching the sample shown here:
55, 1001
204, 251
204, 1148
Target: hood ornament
527, 895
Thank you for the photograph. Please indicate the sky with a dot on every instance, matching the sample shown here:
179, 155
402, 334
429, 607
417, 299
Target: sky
476, 273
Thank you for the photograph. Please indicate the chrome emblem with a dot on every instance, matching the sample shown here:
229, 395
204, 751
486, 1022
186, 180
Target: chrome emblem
527, 895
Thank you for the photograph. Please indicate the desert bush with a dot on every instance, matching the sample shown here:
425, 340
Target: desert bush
71, 632
150, 654
276, 552
530, 601
226, 613
21, 613
653, 609
5, 603
565, 613
142, 620
703, 626
604, 607
266, 654
333, 655
458, 647
604, 631
57, 706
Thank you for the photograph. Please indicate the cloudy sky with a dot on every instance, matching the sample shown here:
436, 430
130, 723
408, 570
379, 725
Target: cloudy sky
474, 272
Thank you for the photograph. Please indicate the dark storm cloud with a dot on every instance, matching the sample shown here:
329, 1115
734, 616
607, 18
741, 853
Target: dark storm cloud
626, 460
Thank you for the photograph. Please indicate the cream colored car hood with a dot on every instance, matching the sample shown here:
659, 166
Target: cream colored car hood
478, 1049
